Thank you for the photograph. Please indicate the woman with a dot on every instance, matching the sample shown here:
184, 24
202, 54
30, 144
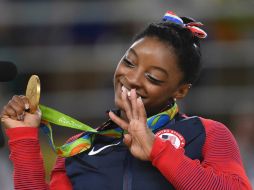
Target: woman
169, 151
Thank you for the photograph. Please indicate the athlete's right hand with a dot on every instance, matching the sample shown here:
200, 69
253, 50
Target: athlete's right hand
15, 114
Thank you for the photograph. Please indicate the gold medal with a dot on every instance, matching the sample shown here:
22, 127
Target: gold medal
33, 90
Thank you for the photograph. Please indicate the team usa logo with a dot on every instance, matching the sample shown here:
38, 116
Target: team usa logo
174, 137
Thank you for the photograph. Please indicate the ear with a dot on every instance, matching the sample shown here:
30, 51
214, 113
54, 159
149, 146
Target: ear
182, 91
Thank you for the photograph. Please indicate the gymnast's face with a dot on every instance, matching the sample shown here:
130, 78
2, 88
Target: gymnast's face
150, 67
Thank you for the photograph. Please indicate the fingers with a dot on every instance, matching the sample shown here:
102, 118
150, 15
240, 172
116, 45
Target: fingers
17, 105
137, 109
133, 106
141, 110
126, 104
15, 108
8, 113
133, 99
25, 101
33, 119
120, 122
130, 104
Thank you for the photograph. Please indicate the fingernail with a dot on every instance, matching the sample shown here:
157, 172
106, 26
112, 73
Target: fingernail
124, 89
140, 99
109, 111
129, 93
26, 106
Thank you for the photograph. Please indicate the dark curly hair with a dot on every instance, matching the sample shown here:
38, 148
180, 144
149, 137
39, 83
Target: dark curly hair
186, 46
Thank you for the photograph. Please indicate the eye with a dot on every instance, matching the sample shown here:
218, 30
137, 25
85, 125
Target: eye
128, 63
153, 79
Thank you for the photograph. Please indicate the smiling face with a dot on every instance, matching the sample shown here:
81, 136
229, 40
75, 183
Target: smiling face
150, 67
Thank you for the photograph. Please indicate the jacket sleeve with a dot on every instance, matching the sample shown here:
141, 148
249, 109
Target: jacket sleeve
27, 162
221, 167
26, 158
59, 179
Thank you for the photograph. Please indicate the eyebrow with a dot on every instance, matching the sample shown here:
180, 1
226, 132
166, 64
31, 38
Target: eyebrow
133, 51
155, 67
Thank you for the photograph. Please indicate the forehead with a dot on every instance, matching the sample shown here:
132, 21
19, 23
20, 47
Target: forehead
154, 52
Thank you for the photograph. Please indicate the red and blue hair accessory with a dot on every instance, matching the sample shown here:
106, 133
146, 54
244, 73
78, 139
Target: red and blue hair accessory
192, 26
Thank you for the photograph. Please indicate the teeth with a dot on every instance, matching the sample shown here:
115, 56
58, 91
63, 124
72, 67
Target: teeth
124, 89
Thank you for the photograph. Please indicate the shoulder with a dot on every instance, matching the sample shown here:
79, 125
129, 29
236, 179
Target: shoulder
215, 128
220, 142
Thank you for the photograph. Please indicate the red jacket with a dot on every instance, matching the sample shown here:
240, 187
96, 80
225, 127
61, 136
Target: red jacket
221, 167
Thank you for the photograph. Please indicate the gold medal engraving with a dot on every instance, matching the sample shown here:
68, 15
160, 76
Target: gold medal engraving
33, 90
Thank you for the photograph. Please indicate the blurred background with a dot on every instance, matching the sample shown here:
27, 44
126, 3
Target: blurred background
74, 47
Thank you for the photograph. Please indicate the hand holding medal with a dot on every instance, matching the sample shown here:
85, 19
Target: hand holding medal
22, 111
50, 115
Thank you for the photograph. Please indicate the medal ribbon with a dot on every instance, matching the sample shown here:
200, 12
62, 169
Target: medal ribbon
83, 143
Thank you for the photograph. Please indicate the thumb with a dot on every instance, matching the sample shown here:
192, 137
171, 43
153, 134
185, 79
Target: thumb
33, 119
36, 114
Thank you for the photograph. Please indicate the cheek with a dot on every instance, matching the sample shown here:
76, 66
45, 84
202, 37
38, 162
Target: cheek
159, 99
117, 74
158, 96
117, 87
119, 71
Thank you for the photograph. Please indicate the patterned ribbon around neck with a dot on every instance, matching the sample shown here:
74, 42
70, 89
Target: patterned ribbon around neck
83, 143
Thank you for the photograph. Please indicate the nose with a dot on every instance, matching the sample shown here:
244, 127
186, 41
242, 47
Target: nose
134, 79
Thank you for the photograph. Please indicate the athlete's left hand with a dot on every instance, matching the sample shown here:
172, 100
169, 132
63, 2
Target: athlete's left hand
139, 138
